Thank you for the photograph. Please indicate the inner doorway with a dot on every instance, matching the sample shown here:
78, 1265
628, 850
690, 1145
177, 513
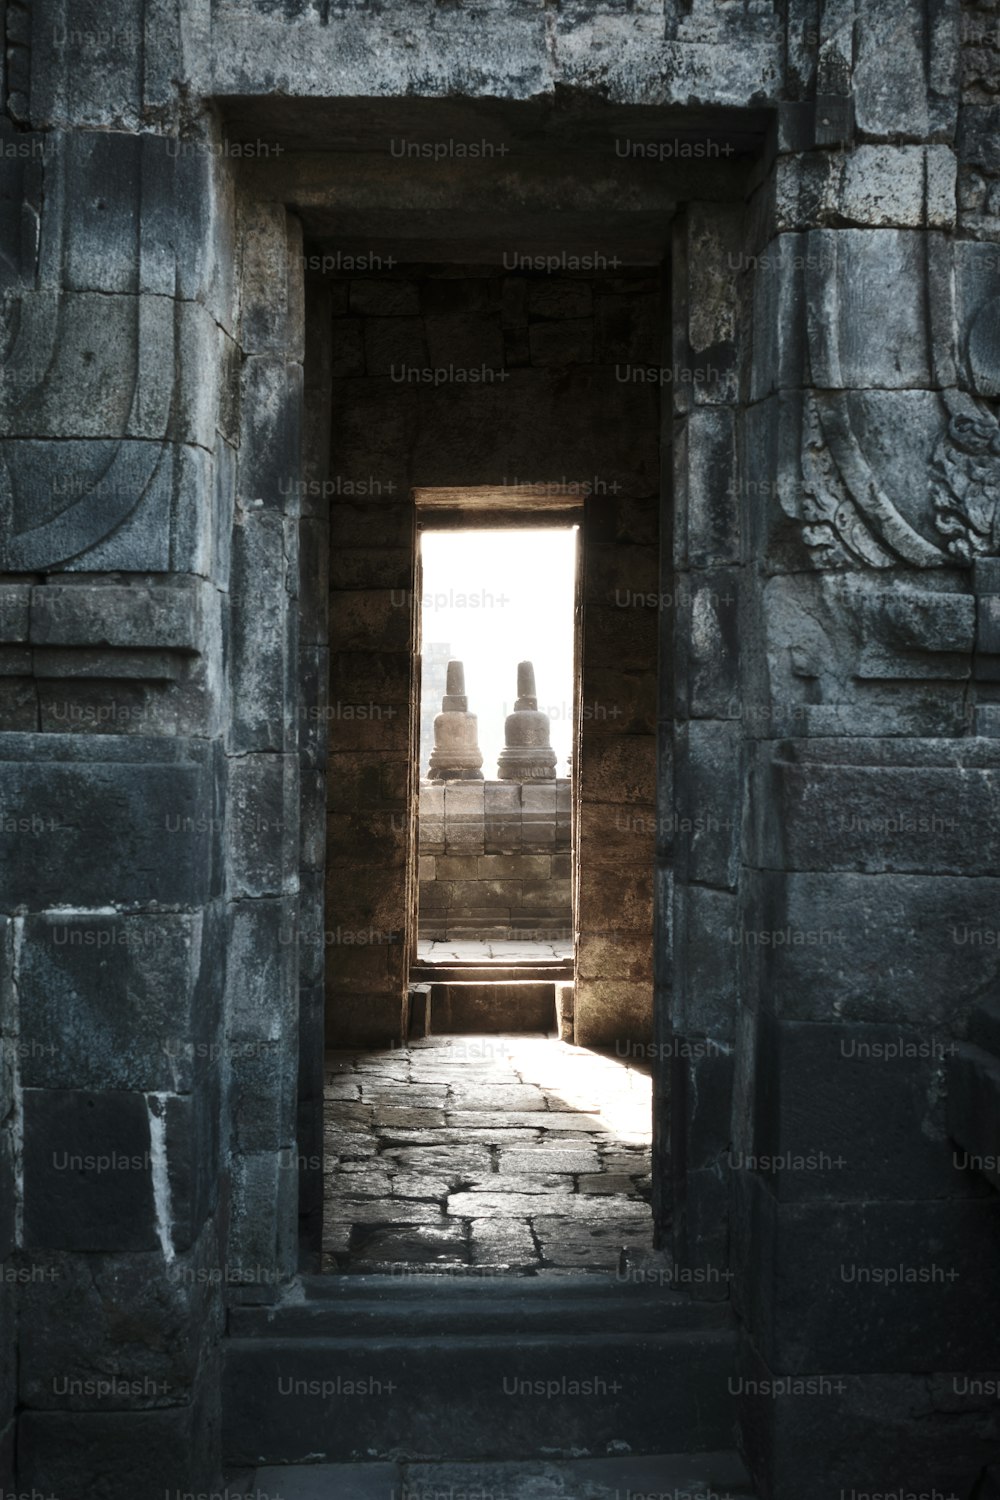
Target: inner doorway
489, 1142
499, 668
558, 1100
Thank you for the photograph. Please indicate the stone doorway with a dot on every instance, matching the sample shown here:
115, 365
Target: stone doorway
495, 845
488, 1142
549, 335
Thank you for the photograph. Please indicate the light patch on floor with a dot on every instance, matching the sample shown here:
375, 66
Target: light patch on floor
485, 1154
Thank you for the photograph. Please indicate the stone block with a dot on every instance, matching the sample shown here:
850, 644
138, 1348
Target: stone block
116, 1002
706, 961
395, 345
271, 440
384, 297
263, 1217
915, 949
708, 372
8, 1180
705, 827
378, 678
536, 867
138, 506
347, 358
612, 1013
304, 931
262, 1074
622, 903
370, 966
109, 379
616, 835
778, 310
366, 899
464, 816
263, 824
86, 68
464, 340
626, 630
708, 623
261, 642
123, 1319
974, 1114
853, 1112
617, 955
552, 298
368, 838
355, 1020
868, 272
265, 292
260, 998
88, 1172
359, 616
538, 801
97, 816
873, 806
502, 817
8, 1358
862, 1287
140, 1454
709, 511
312, 821
891, 95
567, 342
621, 769
622, 576
977, 133
861, 1433
133, 617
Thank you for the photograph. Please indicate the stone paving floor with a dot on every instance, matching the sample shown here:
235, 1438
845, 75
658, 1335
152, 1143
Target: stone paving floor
485, 1154
500, 950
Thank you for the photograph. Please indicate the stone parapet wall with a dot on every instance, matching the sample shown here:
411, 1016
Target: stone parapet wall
496, 860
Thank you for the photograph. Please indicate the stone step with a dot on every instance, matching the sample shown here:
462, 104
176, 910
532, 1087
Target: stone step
476, 1370
708, 1476
483, 1007
487, 973
422, 1304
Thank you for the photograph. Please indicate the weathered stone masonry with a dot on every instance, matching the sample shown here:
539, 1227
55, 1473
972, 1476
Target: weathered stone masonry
825, 712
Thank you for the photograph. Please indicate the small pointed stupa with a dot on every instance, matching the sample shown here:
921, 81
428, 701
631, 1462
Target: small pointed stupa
527, 754
456, 755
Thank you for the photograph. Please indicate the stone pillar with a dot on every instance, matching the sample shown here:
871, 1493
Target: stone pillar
456, 755
527, 754
119, 488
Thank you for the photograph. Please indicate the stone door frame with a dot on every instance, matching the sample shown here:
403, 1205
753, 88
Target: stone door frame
460, 510
690, 1200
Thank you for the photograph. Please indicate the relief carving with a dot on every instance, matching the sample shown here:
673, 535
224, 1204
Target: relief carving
863, 499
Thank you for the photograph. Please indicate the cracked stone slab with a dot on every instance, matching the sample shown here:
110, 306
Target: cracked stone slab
498, 1242
544, 1159
380, 1211
586, 1245
438, 1244
526, 1205
530, 1119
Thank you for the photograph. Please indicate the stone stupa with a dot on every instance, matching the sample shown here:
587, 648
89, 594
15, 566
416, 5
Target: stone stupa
456, 755
527, 754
